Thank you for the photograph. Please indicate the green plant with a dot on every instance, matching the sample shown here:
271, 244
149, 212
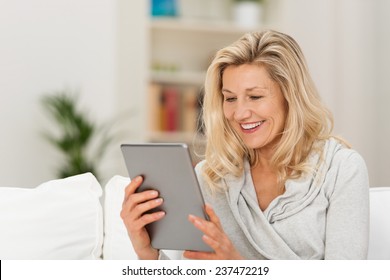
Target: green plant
81, 141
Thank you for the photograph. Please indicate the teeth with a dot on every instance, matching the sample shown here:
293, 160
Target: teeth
251, 125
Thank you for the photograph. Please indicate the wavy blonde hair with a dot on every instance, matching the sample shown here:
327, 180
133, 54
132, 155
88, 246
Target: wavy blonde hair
307, 120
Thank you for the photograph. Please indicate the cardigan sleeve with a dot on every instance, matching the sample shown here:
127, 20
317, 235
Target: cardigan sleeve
347, 226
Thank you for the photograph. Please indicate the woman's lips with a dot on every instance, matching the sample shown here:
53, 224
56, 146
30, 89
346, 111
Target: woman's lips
250, 127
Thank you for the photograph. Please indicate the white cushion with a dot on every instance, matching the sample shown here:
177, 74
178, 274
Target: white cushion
117, 245
59, 219
379, 245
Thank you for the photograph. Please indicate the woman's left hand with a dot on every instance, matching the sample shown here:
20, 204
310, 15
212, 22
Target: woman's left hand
215, 237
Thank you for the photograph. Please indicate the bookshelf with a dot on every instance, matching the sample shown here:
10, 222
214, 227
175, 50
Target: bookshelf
180, 50
166, 52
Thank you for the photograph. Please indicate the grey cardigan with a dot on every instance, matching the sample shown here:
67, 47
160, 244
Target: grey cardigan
325, 216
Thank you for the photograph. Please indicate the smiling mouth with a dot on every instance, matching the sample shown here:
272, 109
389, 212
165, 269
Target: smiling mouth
250, 126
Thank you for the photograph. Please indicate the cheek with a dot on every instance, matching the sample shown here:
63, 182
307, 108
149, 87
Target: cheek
227, 112
281, 118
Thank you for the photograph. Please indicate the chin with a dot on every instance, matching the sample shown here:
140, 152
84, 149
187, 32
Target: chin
255, 146
258, 144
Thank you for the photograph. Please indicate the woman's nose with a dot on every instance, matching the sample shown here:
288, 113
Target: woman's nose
242, 111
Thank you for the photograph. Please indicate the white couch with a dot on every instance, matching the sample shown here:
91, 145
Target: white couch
379, 244
75, 218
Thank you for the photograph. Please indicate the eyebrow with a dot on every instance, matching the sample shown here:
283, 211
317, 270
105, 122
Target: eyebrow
255, 88
226, 90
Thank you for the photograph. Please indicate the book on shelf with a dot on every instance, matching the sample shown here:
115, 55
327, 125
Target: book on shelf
154, 106
173, 108
190, 108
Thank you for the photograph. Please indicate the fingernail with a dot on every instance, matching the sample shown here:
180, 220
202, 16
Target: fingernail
153, 193
138, 179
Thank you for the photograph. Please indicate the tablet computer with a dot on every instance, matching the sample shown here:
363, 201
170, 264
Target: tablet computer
168, 169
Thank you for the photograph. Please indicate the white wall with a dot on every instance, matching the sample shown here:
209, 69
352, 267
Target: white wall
346, 44
381, 136
46, 46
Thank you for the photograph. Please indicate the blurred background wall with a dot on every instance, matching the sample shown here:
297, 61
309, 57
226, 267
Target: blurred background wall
46, 46
99, 48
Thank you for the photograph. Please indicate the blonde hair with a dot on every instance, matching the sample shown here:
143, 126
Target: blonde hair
307, 120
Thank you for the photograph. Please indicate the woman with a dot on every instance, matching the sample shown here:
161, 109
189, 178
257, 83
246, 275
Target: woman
277, 184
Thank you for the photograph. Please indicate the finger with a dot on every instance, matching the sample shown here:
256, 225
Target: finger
138, 204
138, 198
221, 246
199, 255
213, 217
147, 219
207, 227
132, 186
142, 208
212, 227
212, 243
213, 236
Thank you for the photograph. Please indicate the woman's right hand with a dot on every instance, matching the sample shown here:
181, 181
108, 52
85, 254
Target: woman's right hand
133, 215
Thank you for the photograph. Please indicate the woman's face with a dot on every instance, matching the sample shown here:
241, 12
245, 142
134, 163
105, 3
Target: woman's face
254, 105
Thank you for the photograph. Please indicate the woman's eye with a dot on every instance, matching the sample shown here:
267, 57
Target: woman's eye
230, 99
256, 97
